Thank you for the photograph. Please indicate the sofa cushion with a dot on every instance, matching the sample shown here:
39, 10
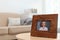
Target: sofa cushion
3, 30
19, 29
4, 18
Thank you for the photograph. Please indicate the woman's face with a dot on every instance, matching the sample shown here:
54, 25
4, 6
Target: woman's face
43, 23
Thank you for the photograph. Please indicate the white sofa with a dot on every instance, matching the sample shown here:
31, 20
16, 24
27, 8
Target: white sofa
10, 32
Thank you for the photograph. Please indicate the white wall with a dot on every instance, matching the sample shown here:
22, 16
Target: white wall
52, 7
18, 6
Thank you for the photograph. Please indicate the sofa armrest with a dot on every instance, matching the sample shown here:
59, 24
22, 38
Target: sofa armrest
3, 30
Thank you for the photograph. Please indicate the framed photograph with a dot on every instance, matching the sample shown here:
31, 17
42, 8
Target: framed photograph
44, 25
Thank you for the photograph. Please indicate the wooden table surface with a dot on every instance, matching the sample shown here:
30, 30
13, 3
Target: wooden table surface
26, 36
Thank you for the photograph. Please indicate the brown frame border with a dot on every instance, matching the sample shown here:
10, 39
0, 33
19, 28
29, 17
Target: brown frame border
53, 27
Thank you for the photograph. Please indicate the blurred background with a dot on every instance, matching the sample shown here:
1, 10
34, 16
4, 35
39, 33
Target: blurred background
31, 7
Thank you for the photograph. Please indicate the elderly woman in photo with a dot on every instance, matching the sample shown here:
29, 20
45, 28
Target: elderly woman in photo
43, 26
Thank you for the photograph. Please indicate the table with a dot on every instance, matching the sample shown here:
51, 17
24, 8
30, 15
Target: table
26, 36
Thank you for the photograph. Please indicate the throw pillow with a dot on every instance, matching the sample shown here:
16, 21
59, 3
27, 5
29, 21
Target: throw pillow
13, 21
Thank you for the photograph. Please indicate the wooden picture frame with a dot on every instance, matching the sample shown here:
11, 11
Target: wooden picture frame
52, 29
